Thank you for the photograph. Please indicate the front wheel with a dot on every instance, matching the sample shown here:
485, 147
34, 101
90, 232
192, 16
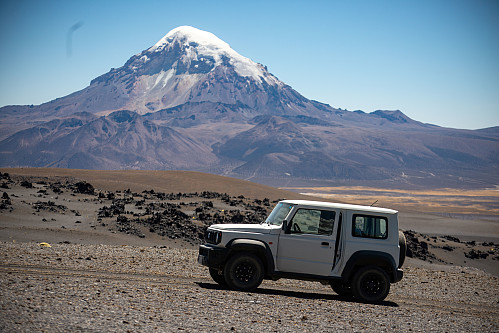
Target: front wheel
218, 277
371, 284
244, 271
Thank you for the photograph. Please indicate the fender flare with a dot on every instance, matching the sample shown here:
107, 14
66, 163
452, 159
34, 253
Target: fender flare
261, 249
369, 258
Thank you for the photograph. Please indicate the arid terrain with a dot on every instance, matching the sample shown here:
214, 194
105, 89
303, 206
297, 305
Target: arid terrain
483, 203
82, 288
122, 257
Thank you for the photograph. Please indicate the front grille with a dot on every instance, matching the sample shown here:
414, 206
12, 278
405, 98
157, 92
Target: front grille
213, 237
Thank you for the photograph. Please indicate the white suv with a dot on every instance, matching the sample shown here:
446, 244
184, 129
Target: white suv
358, 250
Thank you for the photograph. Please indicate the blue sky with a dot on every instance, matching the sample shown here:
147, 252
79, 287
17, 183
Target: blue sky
435, 60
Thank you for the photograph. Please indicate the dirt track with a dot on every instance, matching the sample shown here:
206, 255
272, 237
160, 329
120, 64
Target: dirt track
122, 288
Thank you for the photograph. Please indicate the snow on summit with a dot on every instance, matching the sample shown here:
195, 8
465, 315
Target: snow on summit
198, 43
191, 34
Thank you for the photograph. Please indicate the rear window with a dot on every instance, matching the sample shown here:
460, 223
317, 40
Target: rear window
369, 226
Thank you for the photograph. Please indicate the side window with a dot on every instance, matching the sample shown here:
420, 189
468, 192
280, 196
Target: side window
313, 221
369, 226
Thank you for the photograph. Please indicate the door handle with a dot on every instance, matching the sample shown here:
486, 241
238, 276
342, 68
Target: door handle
325, 243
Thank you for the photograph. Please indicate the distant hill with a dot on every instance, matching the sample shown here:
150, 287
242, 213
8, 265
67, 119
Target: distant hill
160, 181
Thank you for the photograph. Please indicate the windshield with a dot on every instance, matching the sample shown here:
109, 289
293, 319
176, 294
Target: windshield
278, 214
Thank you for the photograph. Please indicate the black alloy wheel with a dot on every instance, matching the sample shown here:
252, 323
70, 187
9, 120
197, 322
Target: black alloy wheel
217, 277
244, 271
371, 284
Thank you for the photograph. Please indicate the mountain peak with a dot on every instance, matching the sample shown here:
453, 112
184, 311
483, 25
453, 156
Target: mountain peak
395, 116
199, 43
188, 34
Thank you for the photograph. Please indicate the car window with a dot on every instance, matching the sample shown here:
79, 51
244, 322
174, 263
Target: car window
369, 226
313, 221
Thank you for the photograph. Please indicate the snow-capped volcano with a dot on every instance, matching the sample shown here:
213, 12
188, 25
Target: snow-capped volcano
205, 47
189, 65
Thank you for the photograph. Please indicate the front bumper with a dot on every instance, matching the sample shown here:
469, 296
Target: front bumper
212, 256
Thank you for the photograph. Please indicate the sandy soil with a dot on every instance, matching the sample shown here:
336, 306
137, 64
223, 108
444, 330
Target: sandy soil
160, 181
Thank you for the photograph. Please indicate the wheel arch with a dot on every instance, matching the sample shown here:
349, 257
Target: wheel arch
259, 248
369, 258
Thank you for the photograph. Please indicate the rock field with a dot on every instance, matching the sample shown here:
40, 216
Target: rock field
125, 261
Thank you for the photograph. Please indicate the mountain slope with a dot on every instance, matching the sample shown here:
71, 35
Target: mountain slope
122, 140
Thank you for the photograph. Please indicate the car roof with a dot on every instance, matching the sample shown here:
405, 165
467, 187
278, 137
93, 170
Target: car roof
333, 205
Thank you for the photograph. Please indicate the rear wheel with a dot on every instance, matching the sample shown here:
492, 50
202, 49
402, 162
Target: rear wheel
244, 271
371, 284
341, 288
218, 276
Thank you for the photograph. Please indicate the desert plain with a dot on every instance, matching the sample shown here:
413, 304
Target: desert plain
120, 255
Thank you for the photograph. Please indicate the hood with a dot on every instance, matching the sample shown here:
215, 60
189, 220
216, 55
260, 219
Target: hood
252, 228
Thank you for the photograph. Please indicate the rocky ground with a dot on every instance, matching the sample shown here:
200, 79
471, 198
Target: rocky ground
453, 251
123, 260
65, 209
76, 287
70, 207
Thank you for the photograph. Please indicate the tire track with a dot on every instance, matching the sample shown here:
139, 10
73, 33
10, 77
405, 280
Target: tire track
98, 274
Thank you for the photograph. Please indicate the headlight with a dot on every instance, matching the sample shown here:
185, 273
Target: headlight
213, 237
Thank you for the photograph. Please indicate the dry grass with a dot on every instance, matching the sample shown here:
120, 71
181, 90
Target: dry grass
475, 202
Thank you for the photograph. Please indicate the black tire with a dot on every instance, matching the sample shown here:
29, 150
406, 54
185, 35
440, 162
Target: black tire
244, 271
217, 277
370, 284
341, 288
403, 248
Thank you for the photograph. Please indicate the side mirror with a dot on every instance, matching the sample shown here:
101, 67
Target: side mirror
284, 225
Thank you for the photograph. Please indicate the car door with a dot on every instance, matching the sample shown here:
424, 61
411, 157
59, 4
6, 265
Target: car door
307, 245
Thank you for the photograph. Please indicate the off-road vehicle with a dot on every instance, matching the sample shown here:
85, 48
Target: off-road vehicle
358, 250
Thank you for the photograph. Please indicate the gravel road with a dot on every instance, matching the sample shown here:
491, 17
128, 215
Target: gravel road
96, 288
